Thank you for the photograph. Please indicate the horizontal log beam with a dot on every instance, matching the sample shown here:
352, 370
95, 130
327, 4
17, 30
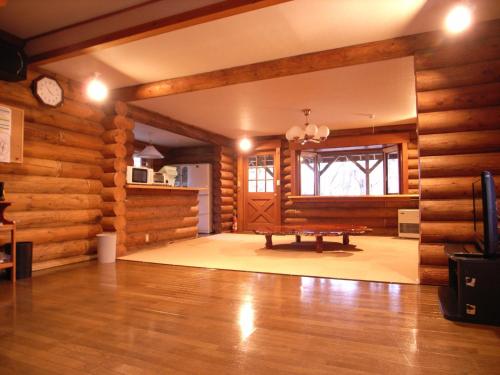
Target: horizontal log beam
450, 187
48, 185
432, 254
460, 143
25, 219
55, 250
433, 275
166, 123
478, 119
43, 150
133, 33
311, 62
32, 202
485, 95
484, 48
57, 234
459, 165
458, 76
446, 210
449, 231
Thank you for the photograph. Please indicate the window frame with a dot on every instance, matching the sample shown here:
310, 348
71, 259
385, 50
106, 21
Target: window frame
399, 139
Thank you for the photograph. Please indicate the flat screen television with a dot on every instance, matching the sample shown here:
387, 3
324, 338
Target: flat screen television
485, 214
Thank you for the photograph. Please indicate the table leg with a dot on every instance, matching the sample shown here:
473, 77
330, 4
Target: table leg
345, 239
298, 238
269, 241
319, 244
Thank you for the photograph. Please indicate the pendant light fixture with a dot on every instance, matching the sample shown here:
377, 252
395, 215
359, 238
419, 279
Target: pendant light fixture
150, 152
308, 133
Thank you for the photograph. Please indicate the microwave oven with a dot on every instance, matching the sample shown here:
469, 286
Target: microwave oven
139, 175
159, 178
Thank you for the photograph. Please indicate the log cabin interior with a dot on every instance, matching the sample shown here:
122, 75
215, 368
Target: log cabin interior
249, 186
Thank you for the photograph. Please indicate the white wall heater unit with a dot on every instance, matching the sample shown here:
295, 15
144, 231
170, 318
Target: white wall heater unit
408, 224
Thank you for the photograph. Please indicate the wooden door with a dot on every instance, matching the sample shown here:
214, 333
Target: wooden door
260, 188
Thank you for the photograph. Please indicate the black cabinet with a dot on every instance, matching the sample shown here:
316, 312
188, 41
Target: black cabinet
473, 293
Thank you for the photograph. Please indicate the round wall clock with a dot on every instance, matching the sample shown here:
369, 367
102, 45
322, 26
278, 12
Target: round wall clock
48, 91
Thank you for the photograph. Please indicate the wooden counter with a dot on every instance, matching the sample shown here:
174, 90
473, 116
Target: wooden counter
161, 187
157, 214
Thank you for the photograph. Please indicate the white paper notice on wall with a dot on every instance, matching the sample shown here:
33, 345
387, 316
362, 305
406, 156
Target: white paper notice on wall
5, 133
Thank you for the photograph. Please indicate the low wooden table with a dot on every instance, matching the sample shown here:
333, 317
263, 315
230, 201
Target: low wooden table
318, 231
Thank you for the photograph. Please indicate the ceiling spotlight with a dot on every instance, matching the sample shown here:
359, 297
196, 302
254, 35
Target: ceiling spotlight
458, 19
245, 144
96, 89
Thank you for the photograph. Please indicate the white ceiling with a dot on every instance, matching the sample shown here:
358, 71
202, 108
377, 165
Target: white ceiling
27, 18
291, 28
286, 29
146, 133
339, 98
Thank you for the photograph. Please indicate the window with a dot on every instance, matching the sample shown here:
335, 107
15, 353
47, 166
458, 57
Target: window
261, 174
371, 170
137, 161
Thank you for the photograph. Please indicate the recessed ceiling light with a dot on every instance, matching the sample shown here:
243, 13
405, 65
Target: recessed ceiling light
459, 18
245, 144
96, 89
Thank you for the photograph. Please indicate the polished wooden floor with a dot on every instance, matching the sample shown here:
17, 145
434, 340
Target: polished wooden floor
154, 319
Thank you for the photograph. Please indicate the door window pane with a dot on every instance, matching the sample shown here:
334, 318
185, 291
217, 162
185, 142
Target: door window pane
261, 174
252, 173
252, 186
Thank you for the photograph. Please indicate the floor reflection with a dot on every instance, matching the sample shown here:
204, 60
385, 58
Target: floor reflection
246, 319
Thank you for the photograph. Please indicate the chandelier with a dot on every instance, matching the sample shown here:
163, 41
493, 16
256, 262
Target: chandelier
309, 133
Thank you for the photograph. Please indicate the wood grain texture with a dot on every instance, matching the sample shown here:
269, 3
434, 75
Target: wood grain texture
166, 123
311, 62
180, 320
210, 12
458, 122
56, 191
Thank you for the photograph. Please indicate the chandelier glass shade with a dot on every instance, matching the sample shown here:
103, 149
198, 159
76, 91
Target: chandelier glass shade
308, 132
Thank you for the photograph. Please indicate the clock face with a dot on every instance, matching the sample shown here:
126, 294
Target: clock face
48, 91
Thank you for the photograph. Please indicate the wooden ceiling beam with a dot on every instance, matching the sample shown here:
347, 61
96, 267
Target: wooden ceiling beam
193, 17
159, 121
311, 62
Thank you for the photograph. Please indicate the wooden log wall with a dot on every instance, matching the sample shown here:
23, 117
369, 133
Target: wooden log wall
458, 103
413, 174
381, 215
222, 159
378, 213
56, 192
225, 191
118, 148
160, 216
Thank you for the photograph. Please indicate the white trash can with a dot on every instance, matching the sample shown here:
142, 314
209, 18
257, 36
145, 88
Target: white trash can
106, 247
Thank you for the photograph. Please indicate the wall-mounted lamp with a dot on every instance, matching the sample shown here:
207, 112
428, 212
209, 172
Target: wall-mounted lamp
96, 89
459, 18
245, 144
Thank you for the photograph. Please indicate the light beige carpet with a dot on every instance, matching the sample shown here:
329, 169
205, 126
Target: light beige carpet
366, 258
